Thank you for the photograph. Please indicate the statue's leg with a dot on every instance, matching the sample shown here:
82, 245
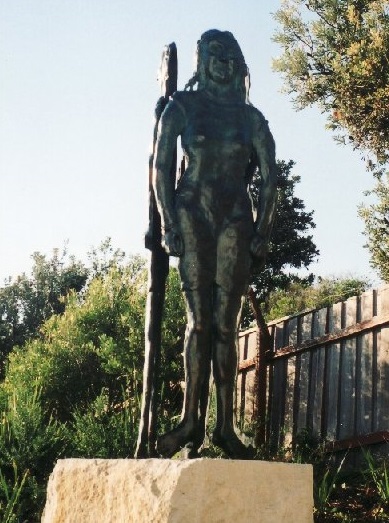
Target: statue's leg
197, 360
232, 275
226, 317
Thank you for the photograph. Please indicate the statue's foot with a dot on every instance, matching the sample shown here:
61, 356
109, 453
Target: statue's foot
145, 450
142, 451
173, 441
190, 452
233, 446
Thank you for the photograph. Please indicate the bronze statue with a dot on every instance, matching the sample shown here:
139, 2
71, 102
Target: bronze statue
208, 222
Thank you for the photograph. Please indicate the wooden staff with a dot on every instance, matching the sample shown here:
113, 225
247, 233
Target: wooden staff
157, 275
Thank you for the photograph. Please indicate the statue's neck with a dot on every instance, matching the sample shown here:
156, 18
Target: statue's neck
222, 93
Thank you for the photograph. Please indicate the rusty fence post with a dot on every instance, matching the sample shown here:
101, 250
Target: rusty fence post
264, 343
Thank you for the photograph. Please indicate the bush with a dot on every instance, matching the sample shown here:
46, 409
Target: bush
30, 442
95, 343
75, 390
299, 297
105, 430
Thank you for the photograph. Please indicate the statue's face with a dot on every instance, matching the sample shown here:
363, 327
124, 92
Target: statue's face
220, 61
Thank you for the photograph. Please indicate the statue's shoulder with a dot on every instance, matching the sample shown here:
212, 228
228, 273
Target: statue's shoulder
255, 114
175, 108
256, 117
183, 103
185, 98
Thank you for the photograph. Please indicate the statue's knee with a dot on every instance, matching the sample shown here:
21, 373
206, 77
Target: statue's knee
199, 327
224, 334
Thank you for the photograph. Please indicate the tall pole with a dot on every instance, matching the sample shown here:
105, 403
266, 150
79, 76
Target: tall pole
263, 346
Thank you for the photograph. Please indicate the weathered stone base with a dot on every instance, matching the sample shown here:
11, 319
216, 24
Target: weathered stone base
178, 491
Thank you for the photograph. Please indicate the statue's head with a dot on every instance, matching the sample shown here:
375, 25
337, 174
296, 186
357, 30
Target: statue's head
220, 59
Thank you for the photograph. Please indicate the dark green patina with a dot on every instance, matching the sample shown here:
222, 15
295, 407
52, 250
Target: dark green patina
207, 220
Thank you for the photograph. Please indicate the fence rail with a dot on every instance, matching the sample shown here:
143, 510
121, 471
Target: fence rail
326, 371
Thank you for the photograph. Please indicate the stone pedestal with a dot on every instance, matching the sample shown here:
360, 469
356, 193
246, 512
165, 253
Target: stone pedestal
178, 491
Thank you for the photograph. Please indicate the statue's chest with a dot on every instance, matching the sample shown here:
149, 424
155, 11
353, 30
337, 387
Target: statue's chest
221, 123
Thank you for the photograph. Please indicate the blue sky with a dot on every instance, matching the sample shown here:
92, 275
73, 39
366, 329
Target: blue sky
77, 93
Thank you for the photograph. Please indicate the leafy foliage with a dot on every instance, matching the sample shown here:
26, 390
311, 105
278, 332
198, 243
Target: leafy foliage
299, 296
379, 473
97, 342
30, 442
376, 218
104, 430
336, 55
87, 367
10, 495
26, 302
104, 257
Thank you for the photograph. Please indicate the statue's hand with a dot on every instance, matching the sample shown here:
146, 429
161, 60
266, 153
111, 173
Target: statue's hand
259, 248
172, 242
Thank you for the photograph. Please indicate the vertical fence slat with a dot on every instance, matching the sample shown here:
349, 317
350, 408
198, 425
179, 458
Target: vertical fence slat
319, 328
383, 380
240, 395
316, 368
305, 333
332, 368
319, 324
383, 364
252, 346
332, 378
278, 403
278, 389
269, 393
318, 399
292, 337
348, 360
364, 393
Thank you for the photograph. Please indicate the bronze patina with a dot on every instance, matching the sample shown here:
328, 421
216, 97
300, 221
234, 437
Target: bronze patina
207, 220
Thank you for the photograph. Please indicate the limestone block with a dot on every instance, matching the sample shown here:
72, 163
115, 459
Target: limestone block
178, 491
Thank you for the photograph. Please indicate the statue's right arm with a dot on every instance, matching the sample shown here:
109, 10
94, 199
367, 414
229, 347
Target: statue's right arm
170, 127
264, 147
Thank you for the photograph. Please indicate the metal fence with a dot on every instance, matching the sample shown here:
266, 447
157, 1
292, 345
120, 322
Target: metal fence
325, 370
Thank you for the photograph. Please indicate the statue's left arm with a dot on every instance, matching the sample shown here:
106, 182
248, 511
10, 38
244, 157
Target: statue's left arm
264, 147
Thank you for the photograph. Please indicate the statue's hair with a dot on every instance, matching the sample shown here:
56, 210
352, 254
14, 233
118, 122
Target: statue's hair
242, 78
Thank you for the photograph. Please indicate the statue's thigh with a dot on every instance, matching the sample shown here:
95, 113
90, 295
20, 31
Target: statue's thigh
234, 259
197, 270
197, 266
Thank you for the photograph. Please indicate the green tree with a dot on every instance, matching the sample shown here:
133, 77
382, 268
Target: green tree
291, 246
102, 258
27, 301
376, 218
335, 54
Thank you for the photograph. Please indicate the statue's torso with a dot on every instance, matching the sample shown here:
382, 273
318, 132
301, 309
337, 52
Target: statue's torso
217, 143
